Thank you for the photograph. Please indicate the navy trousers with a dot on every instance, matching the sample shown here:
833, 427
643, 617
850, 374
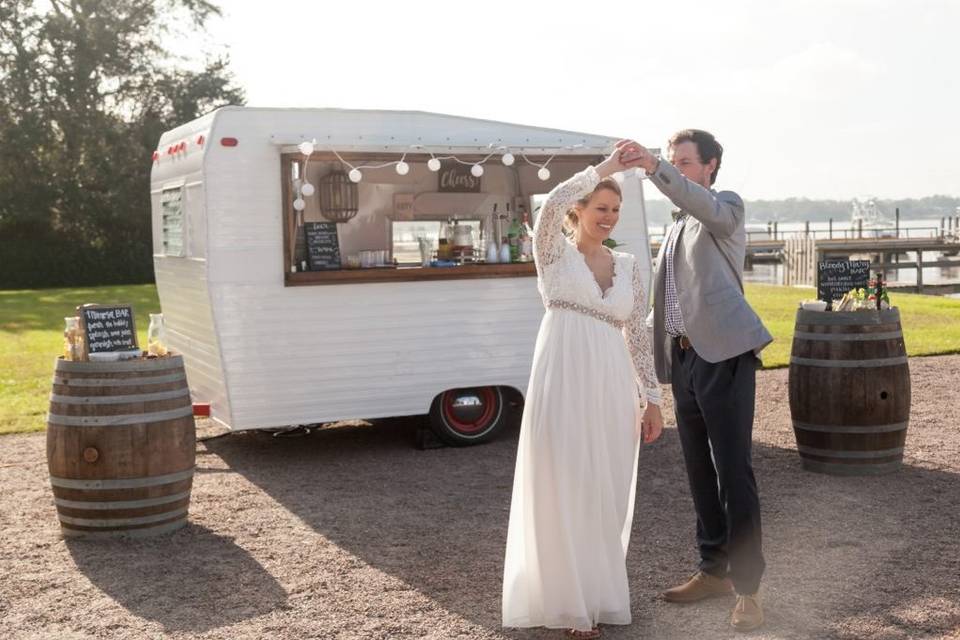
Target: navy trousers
714, 404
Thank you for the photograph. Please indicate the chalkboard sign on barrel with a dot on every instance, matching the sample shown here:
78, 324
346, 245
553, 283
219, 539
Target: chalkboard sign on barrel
837, 277
323, 245
108, 329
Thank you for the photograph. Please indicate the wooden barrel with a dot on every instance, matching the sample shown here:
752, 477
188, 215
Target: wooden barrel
849, 391
121, 443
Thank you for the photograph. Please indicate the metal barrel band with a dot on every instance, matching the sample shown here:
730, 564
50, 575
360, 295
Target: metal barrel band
848, 364
834, 428
121, 522
121, 366
121, 504
852, 455
119, 382
121, 420
143, 532
852, 318
848, 337
121, 483
138, 397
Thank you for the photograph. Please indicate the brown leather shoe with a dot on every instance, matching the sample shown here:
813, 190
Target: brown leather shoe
700, 587
747, 614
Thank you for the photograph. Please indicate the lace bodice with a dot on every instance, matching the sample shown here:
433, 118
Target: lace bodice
563, 274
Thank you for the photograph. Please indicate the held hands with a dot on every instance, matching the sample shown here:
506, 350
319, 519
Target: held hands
650, 423
628, 155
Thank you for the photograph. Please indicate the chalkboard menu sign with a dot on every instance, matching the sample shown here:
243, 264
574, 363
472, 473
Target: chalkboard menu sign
837, 277
323, 245
108, 329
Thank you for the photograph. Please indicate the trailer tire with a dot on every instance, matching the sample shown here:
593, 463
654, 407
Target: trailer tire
472, 415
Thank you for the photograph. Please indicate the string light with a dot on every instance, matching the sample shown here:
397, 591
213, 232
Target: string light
434, 164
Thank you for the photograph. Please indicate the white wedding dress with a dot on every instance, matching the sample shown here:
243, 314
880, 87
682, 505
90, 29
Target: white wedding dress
573, 489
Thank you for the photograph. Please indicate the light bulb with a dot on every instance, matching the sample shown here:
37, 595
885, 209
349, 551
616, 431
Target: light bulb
403, 168
476, 170
433, 164
307, 189
355, 175
306, 148
543, 174
299, 204
507, 159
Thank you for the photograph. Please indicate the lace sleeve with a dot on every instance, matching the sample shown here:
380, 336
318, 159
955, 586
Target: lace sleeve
638, 340
548, 229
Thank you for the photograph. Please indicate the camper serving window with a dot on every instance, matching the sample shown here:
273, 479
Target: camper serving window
171, 208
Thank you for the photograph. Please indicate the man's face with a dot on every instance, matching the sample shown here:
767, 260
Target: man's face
686, 159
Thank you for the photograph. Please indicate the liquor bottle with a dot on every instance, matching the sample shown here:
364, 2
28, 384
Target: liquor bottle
443, 243
513, 237
493, 255
526, 237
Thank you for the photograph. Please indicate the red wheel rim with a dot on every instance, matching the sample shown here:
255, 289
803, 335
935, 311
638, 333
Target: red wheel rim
463, 425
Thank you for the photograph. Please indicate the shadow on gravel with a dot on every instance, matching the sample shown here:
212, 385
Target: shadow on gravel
838, 549
178, 576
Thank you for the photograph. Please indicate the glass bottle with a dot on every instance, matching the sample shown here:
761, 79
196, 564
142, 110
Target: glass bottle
526, 237
513, 236
72, 340
156, 336
444, 243
504, 250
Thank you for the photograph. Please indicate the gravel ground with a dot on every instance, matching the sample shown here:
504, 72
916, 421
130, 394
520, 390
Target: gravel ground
351, 532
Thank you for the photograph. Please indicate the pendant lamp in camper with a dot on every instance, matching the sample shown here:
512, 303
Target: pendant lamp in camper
339, 197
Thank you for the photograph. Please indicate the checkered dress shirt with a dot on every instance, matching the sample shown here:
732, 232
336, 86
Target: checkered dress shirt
673, 320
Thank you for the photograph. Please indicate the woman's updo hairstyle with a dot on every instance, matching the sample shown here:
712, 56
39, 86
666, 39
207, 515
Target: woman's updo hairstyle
571, 220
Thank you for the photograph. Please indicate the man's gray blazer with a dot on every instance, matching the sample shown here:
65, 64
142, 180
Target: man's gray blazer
708, 269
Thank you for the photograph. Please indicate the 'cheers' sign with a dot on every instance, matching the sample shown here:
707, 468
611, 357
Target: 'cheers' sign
456, 178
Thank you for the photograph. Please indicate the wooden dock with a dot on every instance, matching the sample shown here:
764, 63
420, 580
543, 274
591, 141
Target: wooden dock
800, 254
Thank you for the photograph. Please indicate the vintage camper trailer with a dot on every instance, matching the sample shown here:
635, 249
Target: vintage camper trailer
296, 304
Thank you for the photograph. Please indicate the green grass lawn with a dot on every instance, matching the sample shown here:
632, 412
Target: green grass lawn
931, 324
31, 335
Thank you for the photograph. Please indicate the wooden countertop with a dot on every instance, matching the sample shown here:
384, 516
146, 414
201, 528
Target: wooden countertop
411, 273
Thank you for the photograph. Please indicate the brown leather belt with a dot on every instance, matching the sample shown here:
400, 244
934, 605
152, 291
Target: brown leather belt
683, 342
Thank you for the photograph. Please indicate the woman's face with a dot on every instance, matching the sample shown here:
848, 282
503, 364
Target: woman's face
599, 216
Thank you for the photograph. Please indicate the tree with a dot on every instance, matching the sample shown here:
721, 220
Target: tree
86, 89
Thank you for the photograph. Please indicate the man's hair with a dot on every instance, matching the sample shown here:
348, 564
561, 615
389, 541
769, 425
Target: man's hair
707, 146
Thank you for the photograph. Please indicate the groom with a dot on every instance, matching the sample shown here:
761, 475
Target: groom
706, 341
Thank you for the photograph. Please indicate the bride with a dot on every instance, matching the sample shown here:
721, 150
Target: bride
573, 488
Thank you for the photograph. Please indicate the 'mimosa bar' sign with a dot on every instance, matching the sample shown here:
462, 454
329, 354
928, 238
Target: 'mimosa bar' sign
108, 329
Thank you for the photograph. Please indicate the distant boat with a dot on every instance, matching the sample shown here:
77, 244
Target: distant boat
867, 212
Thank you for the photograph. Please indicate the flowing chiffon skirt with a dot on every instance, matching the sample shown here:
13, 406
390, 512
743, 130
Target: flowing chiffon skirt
573, 489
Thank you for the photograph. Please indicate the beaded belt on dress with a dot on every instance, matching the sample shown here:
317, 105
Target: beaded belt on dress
585, 310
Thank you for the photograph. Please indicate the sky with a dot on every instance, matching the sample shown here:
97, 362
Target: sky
815, 98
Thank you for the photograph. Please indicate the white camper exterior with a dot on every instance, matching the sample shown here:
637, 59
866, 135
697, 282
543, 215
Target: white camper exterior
265, 353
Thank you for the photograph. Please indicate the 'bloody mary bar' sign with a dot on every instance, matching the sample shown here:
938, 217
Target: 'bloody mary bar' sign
837, 277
